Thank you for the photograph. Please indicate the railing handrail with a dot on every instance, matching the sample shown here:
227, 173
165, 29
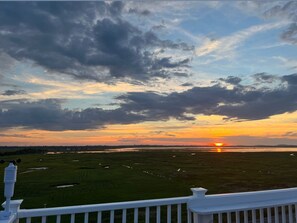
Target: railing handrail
242, 201
23, 213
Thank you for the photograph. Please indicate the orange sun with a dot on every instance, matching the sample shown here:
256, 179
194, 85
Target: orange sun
218, 144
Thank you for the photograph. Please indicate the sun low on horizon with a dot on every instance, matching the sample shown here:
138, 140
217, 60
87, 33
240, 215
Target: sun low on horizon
219, 73
219, 144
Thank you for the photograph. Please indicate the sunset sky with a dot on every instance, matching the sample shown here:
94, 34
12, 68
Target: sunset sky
106, 73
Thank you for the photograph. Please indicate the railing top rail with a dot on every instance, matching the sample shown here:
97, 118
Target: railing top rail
23, 213
259, 192
242, 206
242, 201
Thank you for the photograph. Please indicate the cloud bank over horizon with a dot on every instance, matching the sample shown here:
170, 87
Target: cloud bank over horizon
241, 103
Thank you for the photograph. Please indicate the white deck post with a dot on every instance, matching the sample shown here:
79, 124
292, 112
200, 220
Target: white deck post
14, 207
10, 207
199, 193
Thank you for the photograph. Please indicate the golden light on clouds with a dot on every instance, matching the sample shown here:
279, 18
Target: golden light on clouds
204, 130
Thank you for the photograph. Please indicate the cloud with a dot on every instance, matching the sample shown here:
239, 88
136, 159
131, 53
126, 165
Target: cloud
87, 40
187, 84
13, 92
242, 102
231, 140
290, 35
291, 134
225, 47
256, 140
169, 140
49, 115
291, 64
265, 78
15, 135
144, 12
285, 10
231, 80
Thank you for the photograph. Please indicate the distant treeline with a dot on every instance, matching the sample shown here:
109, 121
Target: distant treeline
12, 152
18, 150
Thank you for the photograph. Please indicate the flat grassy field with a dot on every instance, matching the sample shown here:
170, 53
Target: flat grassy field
110, 177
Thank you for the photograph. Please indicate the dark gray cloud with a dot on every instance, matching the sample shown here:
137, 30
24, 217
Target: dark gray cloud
88, 40
265, 78
239, 103
187, 84
144, 12
231, 80
49, 115
285, 9
13, 92
290, 35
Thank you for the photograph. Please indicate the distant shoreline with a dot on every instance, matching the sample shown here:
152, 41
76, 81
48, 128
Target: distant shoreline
19, 150
136, 146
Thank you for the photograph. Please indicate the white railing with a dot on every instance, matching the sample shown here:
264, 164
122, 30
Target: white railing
271, 206
134, 211
279, 206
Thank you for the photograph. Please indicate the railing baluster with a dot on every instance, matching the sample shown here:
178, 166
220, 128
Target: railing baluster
228, 217
189, 215
290, 214
111, 220
86, 217
276, 216
245, 215
72, 218
283, 214
99, 217
220, 217
124, 216
261, 216
147, 215
58, 219
254, 217
179, 216
158, 214
43, 219
136, 215
168, 213
268, 214
28, 220
295, 207
237, 218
